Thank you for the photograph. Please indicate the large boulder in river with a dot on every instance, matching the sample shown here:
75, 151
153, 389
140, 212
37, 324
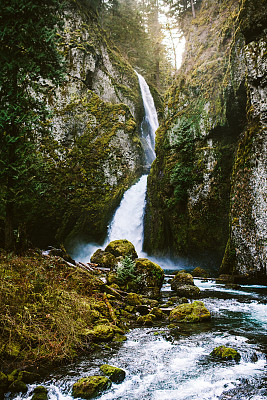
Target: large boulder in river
90, 387
190, 312
183, 285
200, 273
115, 374
151, 277
103, 259
121, 248
225, 353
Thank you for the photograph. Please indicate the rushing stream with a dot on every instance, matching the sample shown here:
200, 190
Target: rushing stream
164, 364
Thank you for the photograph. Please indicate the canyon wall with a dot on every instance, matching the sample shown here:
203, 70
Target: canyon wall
207, 187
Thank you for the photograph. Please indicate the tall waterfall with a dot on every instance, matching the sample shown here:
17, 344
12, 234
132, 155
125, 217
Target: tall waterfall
127, 222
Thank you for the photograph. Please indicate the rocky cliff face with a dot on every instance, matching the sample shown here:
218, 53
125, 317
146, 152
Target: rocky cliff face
96, 151
211, 149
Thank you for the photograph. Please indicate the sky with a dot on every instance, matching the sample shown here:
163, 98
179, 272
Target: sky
174, 39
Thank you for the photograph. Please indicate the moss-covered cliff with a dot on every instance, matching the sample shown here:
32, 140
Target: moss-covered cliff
93, 153
212, 136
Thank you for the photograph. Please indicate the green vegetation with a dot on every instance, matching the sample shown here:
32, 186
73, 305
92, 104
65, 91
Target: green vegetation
126, 272
189, 183
225, 353
47, 308
31, 67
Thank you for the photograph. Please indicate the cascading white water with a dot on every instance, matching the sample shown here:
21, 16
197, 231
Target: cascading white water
127, 222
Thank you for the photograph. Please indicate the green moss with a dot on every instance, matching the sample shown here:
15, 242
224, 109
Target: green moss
115, 374
225, 353
190, 313
88, 388
40, 393
133, 299
121, 248
18, 387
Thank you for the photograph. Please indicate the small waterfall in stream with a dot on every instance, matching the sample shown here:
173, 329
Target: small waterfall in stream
127, 222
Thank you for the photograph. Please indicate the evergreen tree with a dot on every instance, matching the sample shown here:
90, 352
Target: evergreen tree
30, 67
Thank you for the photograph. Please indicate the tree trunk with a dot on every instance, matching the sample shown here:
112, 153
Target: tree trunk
193, 9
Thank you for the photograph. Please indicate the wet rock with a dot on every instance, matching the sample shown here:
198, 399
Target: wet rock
40, 393
183, 278
122, 248
183, 285
189, 291
17, 387
157, 312
225, 353
146, 320
233, 286
101, 333
103, 259
28, 377
142, 309
115, 374
152, 277
133, 299
90, 387
150, 302
195, 312
200, 273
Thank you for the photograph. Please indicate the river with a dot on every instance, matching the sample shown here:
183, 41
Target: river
175, 364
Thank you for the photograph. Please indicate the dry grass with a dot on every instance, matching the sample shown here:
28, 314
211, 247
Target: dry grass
45, 308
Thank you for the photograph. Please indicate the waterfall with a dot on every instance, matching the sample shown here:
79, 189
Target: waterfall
150, 122
127, 222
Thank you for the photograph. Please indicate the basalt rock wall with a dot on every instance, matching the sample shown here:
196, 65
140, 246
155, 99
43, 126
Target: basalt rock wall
95, 153
207, 187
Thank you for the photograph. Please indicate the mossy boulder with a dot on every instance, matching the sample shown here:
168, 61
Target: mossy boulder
183, 278
151, 277
146, 320
183, 285
28, 377
225, 353
121, 248
158, 313
190, 312
189, 291
103, 259
90, 387
17, 387
40, 393
115, 374
133, 299
101, 333
200, 273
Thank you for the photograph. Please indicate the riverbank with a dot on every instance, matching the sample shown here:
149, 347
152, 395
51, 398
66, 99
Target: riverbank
175, 363
48, 307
